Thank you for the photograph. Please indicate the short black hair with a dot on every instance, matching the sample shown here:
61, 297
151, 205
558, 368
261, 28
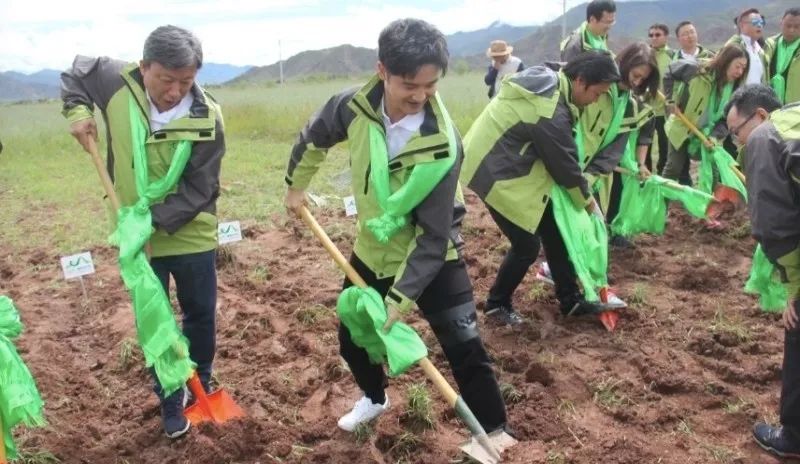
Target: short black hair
794, 11
593, 67
744, 13
680, 25
748, 98
661, 27
596, 8
405, 45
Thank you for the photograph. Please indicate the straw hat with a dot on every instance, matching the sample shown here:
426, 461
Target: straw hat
499, 48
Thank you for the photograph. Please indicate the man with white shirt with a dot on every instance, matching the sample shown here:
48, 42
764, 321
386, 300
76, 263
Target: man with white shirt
161, 94
503, 64
689, 48
405, 158
751, 37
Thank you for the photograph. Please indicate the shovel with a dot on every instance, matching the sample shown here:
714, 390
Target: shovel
484, 448
608, 317
217, 406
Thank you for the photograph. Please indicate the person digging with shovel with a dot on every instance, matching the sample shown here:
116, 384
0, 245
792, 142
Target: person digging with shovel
405, 157
156, 106
771, 139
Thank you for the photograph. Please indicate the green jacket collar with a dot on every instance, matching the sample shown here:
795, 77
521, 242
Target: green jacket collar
565, 88
200, 123
366, 102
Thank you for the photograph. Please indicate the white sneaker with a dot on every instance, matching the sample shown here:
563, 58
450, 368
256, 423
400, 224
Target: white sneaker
363, 411
543, 273
614, 302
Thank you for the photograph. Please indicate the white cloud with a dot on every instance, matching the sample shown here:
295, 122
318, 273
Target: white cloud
38, 33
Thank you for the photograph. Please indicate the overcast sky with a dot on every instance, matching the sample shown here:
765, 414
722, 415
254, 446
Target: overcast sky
36, 34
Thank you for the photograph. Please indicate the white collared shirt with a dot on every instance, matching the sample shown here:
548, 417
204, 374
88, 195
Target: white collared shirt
690, 56
159, 120
756, 65
399, 133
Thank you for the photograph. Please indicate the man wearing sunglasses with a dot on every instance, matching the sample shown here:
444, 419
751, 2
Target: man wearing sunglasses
771, 139
658, 34
751, 37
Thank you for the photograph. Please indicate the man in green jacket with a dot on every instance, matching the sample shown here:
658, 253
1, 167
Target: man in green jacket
518, 148
161, 92
771, 140
398, 131
784, 59
592, 33
658, 35
689, 48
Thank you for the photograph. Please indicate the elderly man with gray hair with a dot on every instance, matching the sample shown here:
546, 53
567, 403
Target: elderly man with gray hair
156, 106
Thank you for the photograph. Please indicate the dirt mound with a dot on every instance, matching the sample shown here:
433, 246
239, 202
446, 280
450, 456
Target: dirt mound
691, 365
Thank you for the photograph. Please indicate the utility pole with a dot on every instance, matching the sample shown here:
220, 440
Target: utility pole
564, 19
280, 62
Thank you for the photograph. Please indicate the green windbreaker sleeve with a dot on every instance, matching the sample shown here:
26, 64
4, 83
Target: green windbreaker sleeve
89, 82
324, 129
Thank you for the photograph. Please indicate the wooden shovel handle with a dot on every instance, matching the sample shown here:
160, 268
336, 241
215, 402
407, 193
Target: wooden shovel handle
105, 179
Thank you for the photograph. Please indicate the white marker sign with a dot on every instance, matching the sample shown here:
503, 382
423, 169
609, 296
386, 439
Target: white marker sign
77, 265
229, 232
350, 206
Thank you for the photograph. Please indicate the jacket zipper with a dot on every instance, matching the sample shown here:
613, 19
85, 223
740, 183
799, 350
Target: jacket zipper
596, 120
366, 178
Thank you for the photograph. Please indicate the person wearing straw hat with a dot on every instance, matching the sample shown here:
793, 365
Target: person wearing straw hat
503, 64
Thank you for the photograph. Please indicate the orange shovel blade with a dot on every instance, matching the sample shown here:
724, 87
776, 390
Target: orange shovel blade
727, 194
221, 405
609, 319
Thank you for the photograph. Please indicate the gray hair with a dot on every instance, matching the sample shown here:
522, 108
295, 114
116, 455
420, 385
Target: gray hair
173, 47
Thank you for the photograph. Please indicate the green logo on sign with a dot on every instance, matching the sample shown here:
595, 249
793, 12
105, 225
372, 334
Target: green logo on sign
80, 261
228, 229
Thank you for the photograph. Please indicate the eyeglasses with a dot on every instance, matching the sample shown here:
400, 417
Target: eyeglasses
735, 131
651, 35
758, 22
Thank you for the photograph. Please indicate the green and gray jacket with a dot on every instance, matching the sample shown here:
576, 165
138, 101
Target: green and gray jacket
792, 74
664, 56
689, 86
577, 43
416, 253
523, 143
772, 170
702, 54
185, 220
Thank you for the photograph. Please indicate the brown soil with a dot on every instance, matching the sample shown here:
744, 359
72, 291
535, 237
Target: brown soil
692, 364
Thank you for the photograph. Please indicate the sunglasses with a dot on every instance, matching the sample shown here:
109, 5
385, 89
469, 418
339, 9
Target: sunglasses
652, 35
758, 22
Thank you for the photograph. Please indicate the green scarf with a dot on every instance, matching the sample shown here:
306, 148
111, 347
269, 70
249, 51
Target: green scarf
594, 42
20, 401
764, 281
396, 206
783, 56
714, 111
164, 346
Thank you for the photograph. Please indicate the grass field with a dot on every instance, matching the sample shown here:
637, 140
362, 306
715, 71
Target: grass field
50, 194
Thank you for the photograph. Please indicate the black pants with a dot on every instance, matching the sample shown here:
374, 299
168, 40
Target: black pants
790, 391
195, 277
615, 198
449, 308
522, 254
663, 147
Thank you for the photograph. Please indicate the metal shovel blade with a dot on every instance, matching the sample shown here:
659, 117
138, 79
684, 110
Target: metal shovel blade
609, 319
214, 407
499, 440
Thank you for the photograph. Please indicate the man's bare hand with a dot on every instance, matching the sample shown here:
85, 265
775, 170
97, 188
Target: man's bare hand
84, 131
295, 199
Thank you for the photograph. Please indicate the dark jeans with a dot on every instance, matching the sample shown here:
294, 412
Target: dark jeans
448, 306
615, 197
790, 391
522, 254
195, 277
663, 147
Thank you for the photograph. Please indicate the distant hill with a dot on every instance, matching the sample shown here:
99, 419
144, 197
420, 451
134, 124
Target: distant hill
16, 86
344, 60
213, 73
713, 19
463, 44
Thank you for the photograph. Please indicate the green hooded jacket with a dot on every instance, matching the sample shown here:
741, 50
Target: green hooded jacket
416, 253
792, 74
185, 220
522, 143
772, 170
577, 43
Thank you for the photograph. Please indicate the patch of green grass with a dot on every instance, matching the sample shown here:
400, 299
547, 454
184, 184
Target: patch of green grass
639, 295
566, 407
363, 432
36, 457
556, 457
733, 407
419, 408
684, 427
739, 231
259, 274
731, 325
721, 454
538, 291
310, 315
510, 394
405, 445
129, 353
607, 394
